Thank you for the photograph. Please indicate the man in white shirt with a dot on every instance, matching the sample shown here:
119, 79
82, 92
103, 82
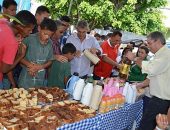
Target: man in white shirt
158, 71
81, 40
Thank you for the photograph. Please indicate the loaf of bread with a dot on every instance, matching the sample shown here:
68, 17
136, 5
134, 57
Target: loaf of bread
13, 127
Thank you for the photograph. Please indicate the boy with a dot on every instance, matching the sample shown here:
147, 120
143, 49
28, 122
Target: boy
41, 13
9, 7
38, 55
60, 72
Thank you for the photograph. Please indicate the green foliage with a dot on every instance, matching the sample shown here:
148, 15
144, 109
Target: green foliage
139, 16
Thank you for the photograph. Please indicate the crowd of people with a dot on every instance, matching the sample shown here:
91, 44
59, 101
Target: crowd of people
36, 51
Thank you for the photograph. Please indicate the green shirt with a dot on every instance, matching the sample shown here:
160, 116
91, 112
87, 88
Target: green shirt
39, 54
136, 74
57, 73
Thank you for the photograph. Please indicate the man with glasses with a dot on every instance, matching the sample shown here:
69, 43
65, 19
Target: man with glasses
158, 71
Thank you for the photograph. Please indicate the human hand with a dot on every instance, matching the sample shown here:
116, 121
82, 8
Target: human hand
138, 85
118, 66
162, 121
32, 74
78, 53
93, 50
34, 68
61, 58
138, 61
21, 50
37, 67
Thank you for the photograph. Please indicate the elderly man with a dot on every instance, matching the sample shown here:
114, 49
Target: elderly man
81, 40
158, 71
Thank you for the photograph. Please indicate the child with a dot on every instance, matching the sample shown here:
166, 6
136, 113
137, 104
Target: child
41, 13
38, 55
135, 70
60, 72
9, 7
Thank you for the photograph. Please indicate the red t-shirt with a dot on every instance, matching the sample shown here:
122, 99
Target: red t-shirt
8, 44
103, 69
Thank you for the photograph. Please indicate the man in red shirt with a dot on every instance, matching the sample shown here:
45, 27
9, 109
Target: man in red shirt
108, 60
10, 35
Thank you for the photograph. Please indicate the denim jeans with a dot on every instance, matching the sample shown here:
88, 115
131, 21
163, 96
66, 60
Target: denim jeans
1, 85
154, 107
6, 84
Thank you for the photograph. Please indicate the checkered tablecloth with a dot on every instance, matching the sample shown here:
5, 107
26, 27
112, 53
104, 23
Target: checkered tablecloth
113, 120
134, 113
87, 124
120, 119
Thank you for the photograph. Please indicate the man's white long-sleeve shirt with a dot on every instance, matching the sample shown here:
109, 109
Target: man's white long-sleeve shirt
158, 71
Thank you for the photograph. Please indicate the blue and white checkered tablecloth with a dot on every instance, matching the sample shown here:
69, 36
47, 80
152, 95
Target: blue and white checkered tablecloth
113, 120
87, 124
134, 112
121, 119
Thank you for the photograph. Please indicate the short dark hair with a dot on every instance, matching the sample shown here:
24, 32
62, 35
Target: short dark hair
7, 3
125, 50
48, 24
116, 32
104, 37
65, 19
25, 17
157, 36
68, 48
109, 34
144, 48
97, 35
42, 9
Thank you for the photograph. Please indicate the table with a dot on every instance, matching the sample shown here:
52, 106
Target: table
120, 119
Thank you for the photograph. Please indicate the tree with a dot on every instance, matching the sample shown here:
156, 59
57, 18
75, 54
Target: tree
139, 16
